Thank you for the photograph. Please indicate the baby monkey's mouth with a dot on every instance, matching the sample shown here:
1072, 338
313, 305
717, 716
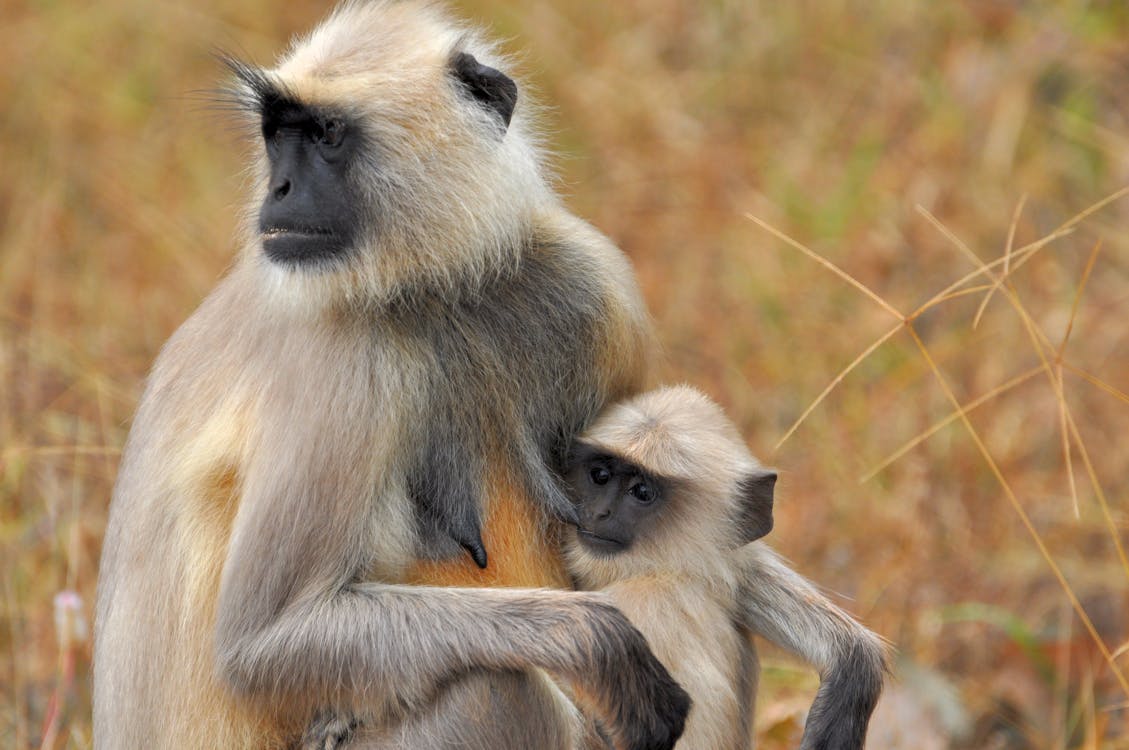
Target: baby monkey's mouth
600, 545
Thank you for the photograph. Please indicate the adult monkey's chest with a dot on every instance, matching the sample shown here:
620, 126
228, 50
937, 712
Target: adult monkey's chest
508, 382
474, 485
522, 544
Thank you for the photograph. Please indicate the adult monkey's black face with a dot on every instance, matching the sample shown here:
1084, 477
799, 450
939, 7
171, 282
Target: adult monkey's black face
309, 214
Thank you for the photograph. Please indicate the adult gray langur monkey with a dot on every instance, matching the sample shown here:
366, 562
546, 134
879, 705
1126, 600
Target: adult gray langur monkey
374, 398
669, 500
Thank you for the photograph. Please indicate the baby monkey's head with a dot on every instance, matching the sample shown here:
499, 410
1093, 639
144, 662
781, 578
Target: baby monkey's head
667, 477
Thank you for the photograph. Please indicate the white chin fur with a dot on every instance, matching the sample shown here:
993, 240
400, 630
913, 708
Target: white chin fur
300, 289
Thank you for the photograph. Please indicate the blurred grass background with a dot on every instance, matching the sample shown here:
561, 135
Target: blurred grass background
879, 134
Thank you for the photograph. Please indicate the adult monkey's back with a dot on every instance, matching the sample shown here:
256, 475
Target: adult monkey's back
374, 398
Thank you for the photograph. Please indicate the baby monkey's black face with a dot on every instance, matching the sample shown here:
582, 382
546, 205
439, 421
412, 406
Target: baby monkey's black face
616, 502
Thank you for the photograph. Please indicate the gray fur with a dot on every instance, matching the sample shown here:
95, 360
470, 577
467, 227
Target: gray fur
784, 607
474, 343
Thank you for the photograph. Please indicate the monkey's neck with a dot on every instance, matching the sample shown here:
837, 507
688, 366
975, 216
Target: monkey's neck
711, 570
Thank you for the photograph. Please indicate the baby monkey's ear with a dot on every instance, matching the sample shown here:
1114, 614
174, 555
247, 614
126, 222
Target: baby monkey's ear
755, 495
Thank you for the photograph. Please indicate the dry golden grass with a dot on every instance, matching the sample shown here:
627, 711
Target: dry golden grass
865, 227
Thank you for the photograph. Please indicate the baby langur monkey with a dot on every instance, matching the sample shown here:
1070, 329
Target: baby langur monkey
665, 489
668, 499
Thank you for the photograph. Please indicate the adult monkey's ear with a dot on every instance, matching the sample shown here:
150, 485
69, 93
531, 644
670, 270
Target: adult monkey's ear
488, 85
756, 493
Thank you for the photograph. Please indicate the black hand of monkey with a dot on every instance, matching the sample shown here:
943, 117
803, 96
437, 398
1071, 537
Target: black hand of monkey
645, 702
670, 706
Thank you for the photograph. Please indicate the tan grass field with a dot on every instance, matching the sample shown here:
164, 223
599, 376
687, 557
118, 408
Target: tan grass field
890, 237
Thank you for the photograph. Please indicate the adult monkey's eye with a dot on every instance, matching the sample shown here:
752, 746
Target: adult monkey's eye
600, 475
332, 133
270, 129
643, 493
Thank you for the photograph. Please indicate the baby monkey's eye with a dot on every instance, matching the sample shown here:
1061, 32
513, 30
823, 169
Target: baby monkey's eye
643, 493
600, 475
